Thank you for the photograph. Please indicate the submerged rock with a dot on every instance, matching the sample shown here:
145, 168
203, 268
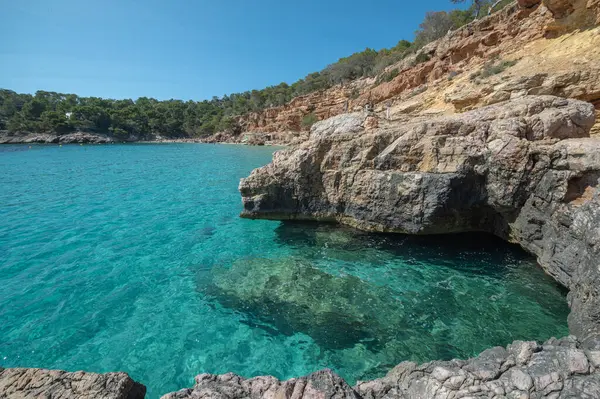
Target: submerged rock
38, 383
337, 311
523, 170
391, 308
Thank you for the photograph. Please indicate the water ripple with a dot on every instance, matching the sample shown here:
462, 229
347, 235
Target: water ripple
132, 257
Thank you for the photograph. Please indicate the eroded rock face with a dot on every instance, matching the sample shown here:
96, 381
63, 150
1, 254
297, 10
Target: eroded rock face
25, 383
556, 369
524, 170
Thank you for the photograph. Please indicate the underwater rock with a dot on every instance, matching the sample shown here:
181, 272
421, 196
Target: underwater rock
337, 311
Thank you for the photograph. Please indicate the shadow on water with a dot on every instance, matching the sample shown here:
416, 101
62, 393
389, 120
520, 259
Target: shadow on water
397, 297
451, 250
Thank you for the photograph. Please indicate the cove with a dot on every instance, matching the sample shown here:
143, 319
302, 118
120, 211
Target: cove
133, 258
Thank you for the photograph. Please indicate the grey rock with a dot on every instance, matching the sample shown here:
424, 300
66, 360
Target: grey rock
318, 385
46, 138
25, 383
522, 351
524, 170
521, 380
545, 374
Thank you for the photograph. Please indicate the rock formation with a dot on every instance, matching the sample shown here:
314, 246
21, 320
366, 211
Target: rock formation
24, 383
525, 170
556, 369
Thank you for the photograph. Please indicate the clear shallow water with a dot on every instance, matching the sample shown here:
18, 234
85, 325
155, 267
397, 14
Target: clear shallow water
132, 257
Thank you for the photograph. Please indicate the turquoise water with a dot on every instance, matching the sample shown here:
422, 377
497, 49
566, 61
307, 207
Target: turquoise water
132, 257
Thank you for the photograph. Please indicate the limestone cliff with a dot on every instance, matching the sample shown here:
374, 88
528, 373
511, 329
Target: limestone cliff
525, 170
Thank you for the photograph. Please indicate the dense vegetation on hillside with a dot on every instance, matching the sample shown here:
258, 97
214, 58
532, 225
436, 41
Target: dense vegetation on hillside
61, 113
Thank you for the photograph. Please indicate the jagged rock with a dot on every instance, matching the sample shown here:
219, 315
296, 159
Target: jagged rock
544, 373
528, 3
318, 385
25, 383
523, 170
584, 85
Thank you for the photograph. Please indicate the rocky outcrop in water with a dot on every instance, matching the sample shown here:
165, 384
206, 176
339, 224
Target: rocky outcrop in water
25, 383
522, 170
556, 369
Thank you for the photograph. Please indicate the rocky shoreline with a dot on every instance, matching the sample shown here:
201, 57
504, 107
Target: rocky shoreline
556, 369
82, 138
48, 138
94, 138
525, 170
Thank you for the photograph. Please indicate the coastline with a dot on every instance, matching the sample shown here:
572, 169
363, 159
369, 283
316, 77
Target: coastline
536, 189
89, 138
553, 216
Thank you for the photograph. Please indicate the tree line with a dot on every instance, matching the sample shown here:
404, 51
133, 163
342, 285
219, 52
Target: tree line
61, 113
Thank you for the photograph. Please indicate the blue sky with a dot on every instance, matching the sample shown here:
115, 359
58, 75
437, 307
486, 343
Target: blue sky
188, 49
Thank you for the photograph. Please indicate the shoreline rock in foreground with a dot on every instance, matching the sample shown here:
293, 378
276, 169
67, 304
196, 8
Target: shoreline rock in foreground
524, 170
55, 384
556, 369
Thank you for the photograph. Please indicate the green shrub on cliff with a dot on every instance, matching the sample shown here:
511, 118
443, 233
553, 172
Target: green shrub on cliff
309, 120
494, 68
421, 58
491, 68
387, 76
